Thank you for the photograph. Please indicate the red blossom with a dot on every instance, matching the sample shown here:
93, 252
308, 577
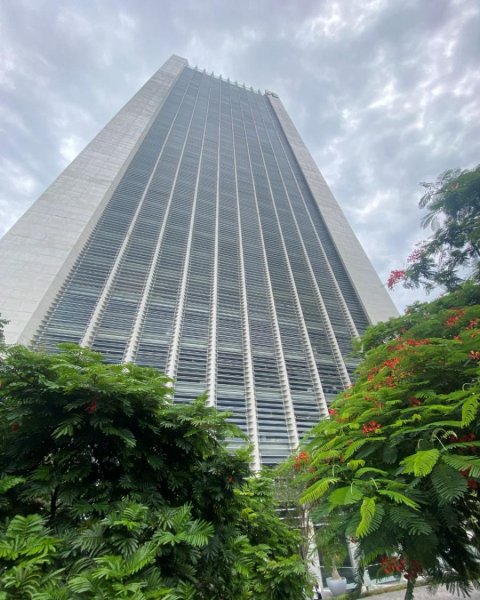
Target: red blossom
415, 256
473, 323
474, 355
392, 563
332, 412
391, 363
413, 570
300, 460
395, 276
413, 342
457, 313
414, 401
450, 322
92, 407
371, 427
390, 381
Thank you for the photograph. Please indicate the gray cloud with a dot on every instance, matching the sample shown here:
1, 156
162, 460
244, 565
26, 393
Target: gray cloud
384, 93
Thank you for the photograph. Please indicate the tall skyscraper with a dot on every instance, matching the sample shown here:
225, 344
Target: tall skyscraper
195, 234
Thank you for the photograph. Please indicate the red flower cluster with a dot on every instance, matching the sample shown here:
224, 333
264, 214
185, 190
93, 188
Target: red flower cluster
92, 407
395, 276
389, 381
332, 412
457, 313
391, 564
474, 355
415, 256
473, 323
413, 570
471, 482
391, 363
412, 342
371, 427
300, 460
414, 401
469, 437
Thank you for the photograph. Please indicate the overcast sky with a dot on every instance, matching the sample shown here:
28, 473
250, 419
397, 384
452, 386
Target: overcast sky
386, 93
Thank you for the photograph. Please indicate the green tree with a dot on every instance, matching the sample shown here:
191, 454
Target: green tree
399, 459
110, 490
3, 322
452, 253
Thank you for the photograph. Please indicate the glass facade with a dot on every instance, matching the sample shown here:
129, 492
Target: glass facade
212, 262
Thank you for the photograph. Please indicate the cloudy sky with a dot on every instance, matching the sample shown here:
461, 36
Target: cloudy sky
386, 93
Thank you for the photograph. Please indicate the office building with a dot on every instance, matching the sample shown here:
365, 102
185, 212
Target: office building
196, 234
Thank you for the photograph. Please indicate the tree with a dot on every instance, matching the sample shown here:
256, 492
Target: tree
108, 489
399, 457
452, 253
3, 322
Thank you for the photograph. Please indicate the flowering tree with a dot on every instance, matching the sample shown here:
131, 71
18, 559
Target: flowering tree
452, 253
399, 458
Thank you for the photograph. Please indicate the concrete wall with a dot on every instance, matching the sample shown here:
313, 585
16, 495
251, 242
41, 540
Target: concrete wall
40, 249
375, 299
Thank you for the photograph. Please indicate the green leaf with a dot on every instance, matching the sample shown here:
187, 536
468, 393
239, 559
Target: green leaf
421, 463
353, 447
463, 463
369, 470
318, 489
399, 498
469, 410
371, 517
345, 495
448, 483
355, 464
7, 482
67, 426
413, 522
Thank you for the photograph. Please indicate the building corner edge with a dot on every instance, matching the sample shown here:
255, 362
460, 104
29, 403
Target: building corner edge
371, 292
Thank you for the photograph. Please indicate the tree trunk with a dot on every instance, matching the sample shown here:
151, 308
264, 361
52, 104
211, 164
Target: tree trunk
410, 586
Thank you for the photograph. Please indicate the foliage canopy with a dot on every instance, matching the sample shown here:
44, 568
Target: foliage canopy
452, 253
109, 490
399, 459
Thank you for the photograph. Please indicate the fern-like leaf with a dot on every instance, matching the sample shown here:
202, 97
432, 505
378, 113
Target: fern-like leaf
448, 483
399, 498
371, 517
421, 463
318, 489
413, 522
463, 463
469, 410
